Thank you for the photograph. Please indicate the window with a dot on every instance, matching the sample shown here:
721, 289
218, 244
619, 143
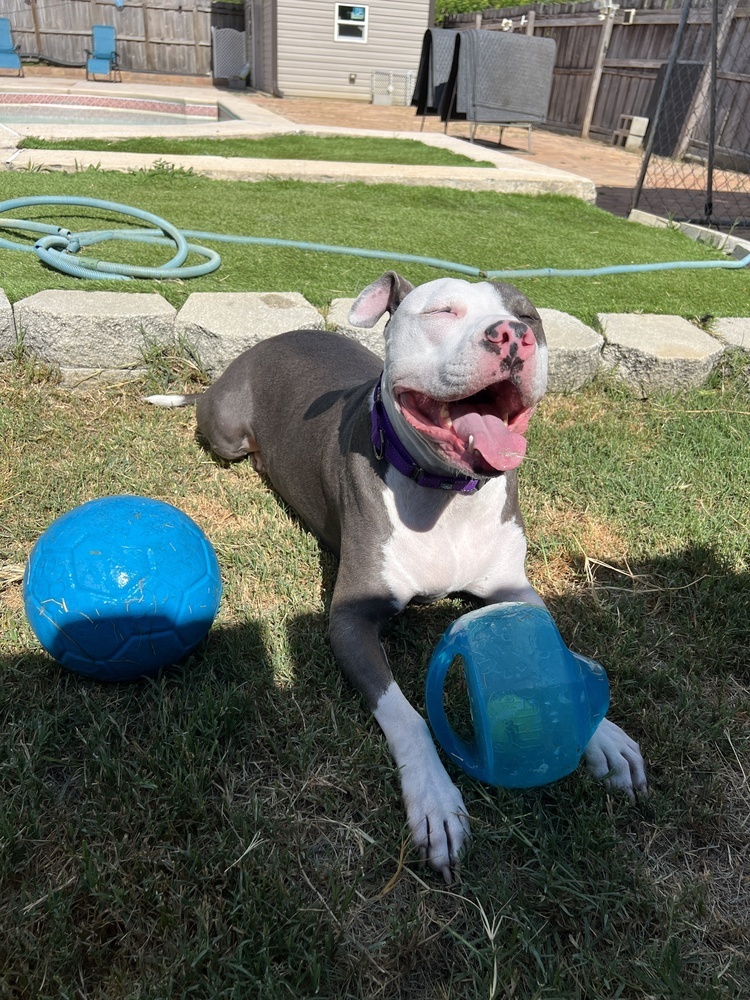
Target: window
351, 23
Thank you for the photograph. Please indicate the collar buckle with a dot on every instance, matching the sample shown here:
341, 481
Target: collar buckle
379, 448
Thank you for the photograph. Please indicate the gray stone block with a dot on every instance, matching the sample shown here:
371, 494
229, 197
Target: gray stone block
372, 338
734, 331
93, 329
575, 351
7, 327
653, 352
221, 325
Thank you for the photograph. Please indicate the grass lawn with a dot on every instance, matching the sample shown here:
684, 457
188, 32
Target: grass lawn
485, 230
355, 149
233, 829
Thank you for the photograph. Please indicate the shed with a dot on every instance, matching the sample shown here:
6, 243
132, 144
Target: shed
322, 48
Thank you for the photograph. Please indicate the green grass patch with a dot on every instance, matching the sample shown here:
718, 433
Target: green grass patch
481, 229
233, 829
358, 149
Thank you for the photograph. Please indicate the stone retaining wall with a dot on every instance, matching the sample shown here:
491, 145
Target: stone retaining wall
104, 336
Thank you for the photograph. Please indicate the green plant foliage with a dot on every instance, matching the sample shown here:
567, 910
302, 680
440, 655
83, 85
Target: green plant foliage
444, 8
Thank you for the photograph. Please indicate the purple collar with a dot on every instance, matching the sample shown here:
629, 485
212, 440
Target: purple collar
387, 445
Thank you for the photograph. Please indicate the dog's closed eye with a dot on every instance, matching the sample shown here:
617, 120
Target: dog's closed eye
447, 308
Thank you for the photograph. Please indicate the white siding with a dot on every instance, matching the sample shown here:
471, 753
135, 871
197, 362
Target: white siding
312, 64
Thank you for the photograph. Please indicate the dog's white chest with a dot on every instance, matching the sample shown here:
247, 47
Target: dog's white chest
443, 544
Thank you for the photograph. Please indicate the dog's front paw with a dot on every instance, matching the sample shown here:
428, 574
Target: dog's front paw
435, 811
436, 815
614, 758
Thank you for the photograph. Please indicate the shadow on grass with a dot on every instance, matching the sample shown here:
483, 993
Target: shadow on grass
232, 824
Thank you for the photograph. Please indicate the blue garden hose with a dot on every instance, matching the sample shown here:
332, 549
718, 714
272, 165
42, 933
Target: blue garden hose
58, 247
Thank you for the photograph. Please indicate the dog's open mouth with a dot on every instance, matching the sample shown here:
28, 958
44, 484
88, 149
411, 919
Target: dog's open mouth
481, 434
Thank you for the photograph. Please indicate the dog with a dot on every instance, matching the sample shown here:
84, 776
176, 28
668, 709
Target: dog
407, 472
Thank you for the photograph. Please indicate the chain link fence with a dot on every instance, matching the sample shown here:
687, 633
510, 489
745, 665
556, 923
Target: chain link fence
696, 162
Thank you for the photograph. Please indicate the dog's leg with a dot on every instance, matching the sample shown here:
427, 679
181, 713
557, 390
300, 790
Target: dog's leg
435, 811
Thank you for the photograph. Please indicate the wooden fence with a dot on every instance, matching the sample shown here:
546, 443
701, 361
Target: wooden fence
609, 58
157, 36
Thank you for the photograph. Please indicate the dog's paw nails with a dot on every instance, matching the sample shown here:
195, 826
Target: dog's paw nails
450, 873
615, 759
440, 829
441, 845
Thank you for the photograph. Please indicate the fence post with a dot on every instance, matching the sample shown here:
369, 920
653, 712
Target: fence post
197, 37
601, 55
146, 40
35, 21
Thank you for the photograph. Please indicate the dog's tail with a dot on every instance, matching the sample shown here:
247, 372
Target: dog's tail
189, 400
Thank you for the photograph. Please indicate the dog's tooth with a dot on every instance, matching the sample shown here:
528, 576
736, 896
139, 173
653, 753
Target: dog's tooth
445, 416
471, 441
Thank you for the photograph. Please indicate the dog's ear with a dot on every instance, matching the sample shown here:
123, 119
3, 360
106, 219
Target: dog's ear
383, 295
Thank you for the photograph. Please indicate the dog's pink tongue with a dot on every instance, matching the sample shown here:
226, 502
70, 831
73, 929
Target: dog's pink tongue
500, 447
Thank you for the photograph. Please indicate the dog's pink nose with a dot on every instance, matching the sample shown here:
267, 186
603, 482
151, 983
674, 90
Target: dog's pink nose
513, 338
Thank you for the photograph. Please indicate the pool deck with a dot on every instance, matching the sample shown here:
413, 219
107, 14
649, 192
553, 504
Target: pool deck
256, 117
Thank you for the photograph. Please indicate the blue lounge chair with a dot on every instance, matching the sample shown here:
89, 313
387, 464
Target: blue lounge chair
103, 59
9, 57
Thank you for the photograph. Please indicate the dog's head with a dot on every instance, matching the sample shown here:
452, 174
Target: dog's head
465, 366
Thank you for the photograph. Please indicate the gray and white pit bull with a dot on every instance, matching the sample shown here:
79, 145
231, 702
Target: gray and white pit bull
410, 478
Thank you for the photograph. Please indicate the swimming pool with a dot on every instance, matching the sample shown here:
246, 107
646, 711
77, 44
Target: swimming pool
76, 109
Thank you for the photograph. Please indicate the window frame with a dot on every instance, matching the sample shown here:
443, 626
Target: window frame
338, 21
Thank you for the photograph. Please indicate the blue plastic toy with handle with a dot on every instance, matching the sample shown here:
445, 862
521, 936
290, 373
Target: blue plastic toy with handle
534, 704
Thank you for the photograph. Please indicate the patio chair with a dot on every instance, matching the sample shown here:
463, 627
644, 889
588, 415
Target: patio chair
9, 57
103, 58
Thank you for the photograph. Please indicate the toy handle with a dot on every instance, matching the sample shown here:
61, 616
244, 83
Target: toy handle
463, 753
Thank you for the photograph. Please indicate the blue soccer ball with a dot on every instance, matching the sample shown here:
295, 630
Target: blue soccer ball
121, 587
